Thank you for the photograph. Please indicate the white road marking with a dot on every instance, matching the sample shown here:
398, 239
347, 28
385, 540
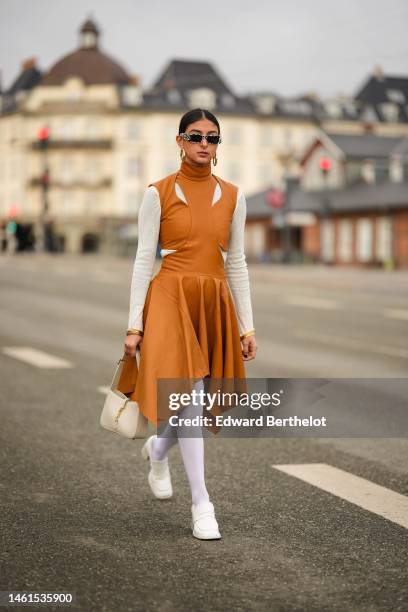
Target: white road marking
372, 497
382, 349
103, 390
396, 313
311, 302
35, 357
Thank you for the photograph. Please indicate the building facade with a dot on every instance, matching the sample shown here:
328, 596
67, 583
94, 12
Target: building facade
109, 138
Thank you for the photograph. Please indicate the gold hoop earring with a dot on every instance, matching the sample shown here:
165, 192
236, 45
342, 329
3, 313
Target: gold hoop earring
215, 160
181, 154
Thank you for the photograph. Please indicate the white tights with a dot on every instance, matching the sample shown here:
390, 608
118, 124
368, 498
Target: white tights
191, 449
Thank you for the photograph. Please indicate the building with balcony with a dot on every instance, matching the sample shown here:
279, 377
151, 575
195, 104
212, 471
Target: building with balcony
109, 137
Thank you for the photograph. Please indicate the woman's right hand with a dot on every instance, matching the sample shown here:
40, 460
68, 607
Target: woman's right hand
132, 342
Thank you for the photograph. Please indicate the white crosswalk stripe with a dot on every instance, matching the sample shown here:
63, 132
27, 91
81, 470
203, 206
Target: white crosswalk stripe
364, 493
35, 357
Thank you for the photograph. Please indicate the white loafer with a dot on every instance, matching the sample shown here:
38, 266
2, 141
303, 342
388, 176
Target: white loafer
204, 524
159, 475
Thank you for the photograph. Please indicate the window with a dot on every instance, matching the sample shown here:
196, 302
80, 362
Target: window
202, 97
334, 110
234, 172
389, 111
133, 167
265, 104
67, 130
92, 168
327, 240
288, 137
255, 240
133, 202
65, 203
228, 100
395, 95
384, 238
265, 173
345, 240
133, 130
132, 95
66, 169
92, 129
91, 202
234, 135
266, 136
364, 239
382, 171
173, 96
170, 132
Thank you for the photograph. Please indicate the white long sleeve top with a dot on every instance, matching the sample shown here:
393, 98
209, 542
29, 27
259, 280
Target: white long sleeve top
235, 262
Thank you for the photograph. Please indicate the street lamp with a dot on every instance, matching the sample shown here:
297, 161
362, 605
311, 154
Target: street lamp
43, 137
325, 166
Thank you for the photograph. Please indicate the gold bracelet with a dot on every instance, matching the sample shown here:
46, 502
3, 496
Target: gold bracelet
132, 330
248, 333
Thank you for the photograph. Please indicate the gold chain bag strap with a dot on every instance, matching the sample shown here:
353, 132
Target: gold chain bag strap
120, 414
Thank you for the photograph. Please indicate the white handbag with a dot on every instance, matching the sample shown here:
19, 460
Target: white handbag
121, 414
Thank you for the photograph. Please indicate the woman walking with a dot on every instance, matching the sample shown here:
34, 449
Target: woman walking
194, 318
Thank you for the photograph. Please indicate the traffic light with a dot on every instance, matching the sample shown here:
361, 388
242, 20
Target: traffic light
325, 164
43, 137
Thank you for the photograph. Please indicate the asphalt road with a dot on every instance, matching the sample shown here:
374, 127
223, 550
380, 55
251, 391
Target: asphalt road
77, 514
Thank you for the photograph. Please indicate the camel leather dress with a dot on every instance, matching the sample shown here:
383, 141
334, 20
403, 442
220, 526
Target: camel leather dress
189, 318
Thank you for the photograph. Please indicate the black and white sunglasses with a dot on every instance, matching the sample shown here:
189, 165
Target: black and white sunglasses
210, 138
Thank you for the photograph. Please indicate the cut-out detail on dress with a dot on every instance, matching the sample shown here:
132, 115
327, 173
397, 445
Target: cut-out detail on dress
164, 252
216, 197
223, 252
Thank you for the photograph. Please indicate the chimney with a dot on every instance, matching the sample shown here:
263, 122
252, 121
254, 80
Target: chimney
28, 63
378, 72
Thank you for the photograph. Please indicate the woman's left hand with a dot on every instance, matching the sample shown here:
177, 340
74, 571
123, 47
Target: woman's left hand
249, 347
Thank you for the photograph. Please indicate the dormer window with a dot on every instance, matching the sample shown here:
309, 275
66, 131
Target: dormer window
202, 97
333, 110
228, 100
395, 95
389, 111
132, 95
265, 104
173, 96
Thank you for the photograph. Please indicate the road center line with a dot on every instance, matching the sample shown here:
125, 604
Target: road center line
372, 497
35, 357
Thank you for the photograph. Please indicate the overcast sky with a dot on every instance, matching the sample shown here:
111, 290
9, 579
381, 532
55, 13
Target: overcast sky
286, 46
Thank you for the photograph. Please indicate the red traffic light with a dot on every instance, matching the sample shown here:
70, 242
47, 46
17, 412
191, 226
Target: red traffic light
325, 164
44, 133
